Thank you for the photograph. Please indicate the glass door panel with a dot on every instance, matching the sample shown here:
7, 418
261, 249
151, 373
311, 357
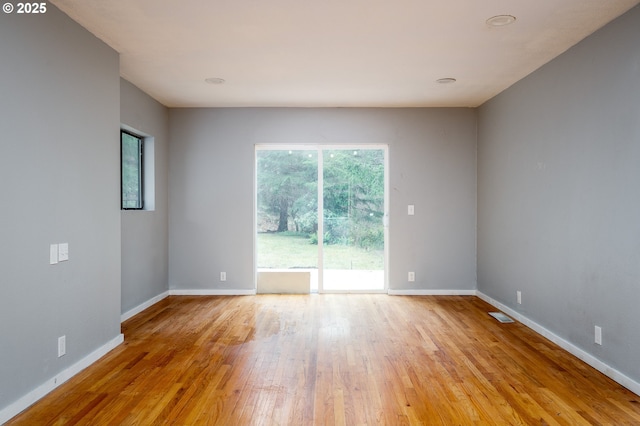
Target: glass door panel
286, 215
353, 213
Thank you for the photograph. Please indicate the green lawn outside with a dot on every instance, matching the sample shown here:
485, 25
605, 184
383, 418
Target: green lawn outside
283, 251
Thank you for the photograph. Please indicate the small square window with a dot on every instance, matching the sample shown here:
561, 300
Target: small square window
131, 161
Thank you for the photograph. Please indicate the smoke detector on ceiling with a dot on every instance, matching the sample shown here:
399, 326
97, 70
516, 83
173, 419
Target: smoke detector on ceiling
501, 20
214, 80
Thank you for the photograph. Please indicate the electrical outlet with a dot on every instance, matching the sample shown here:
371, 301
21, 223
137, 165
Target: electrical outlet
411, 210
62, 345
519, 297
598, 335
223, 276
411, 277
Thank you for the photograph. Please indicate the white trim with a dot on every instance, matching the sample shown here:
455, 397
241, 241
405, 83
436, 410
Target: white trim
27, 400
212, 292
320, 220
254, 210
581, 354
410, 292
141, 307
386, 219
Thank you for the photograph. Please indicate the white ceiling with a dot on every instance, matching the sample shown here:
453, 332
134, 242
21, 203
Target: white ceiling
371, 53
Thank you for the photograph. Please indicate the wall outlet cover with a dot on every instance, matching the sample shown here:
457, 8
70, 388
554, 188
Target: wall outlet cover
62, 346
598, 335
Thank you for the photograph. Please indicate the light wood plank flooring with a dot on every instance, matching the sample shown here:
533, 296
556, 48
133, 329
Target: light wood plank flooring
333, 359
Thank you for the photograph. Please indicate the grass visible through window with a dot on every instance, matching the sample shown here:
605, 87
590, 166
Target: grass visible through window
289, 250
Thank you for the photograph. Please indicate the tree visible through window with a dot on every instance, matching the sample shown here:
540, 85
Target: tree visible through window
131, 169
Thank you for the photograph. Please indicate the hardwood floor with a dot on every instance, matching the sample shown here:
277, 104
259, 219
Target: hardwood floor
333, 359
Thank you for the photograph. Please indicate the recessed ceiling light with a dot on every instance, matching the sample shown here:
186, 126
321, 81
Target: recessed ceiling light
501, 20
214, 80
447, 80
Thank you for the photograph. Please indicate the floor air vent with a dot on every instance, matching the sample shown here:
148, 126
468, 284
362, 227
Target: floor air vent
501, 317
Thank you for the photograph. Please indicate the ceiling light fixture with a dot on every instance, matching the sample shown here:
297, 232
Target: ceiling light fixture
214, 80
501, 20
446, 80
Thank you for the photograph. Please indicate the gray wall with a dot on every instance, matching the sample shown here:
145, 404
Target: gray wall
59, 174
145, 233
432, 165
559, 204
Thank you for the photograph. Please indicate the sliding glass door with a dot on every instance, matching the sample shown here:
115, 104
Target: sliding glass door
320, 216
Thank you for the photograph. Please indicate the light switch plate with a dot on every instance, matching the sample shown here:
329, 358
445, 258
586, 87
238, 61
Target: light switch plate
53, 254
63, 252
410, 210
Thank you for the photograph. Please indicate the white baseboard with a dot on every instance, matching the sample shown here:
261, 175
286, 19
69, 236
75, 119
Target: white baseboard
432, 292
176, 292
141, 307
608, 371
27, 400
212, 292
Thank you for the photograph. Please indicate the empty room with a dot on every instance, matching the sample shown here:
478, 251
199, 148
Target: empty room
339, 212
